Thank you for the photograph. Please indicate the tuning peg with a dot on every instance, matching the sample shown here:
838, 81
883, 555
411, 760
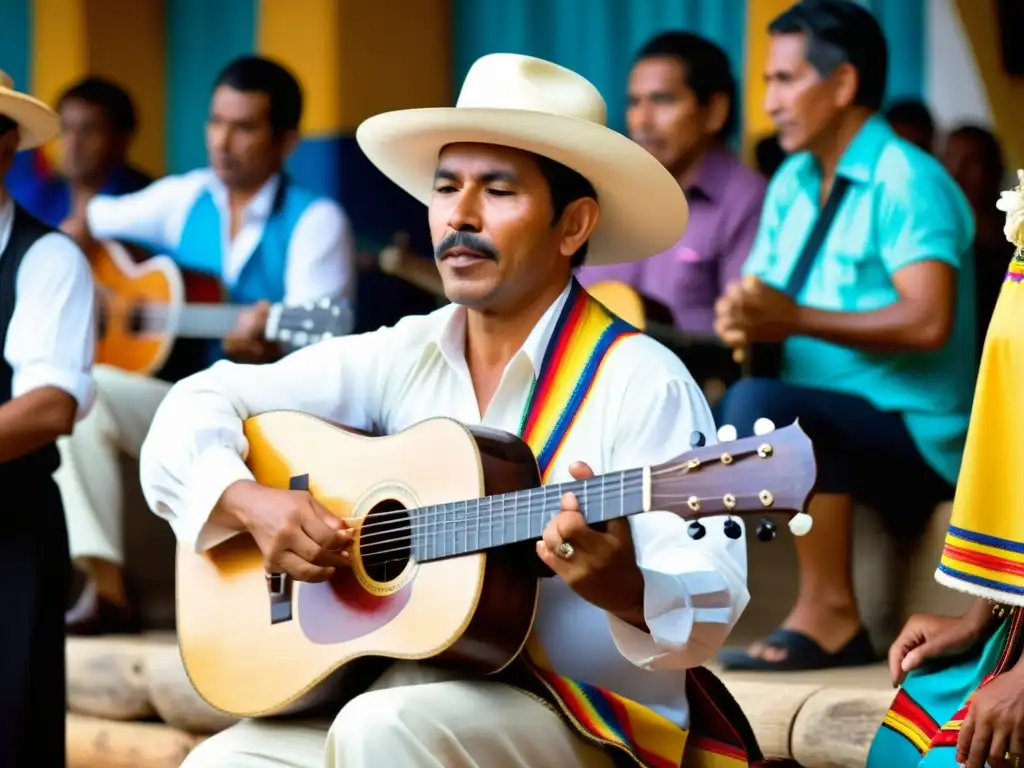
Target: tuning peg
697, 439
765, 529
763, 426
732, 529
696, 531
800, 524
726, 433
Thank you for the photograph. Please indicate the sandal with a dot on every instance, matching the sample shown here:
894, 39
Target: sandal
802, 654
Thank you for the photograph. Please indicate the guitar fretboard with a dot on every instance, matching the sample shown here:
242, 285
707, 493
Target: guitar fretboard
462, 527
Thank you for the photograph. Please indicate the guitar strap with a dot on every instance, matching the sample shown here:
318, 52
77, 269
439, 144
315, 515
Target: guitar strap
767, 358
584, 335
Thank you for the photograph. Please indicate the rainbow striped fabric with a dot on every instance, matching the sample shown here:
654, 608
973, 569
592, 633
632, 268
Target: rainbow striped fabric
584, 335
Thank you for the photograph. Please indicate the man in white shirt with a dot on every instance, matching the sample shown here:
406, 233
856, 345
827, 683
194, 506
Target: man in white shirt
47, 340
631, 608
243, 221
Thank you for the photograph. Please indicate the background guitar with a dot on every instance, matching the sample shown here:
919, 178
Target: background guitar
437, 571
146, 306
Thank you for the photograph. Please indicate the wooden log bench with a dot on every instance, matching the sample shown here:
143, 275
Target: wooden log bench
131, 705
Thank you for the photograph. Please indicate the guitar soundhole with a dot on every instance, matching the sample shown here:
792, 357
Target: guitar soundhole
135, 320
385, 541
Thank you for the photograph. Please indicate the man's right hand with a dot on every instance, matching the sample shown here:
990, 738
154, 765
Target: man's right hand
296, 534
927, 637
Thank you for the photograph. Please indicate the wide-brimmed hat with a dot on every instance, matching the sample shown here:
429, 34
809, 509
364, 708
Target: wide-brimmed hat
37, 123
534, 105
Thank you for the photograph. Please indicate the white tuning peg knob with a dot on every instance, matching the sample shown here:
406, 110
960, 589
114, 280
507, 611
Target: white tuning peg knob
726, 433
763, 426
801, 524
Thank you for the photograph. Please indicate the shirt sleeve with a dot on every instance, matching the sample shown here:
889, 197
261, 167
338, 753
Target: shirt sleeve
51, 338
321, 256
154, 216
694, 589
196, 447
924, 216
761, 259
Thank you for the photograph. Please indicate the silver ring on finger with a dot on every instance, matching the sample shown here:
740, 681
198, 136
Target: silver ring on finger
565, 550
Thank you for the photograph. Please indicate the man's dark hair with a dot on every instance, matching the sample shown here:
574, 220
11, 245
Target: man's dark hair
108, 96
567, 186
841, 32
911, 112
6, 124
991, 150
256, 74
705, 66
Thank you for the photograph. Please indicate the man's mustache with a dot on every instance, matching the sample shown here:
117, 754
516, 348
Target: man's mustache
467, 240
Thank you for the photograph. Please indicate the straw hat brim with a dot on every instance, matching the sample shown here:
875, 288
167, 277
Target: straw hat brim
643, 209
37, 123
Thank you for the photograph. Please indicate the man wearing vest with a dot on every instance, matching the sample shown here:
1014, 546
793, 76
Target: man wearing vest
47, 340
243, 221
632, 608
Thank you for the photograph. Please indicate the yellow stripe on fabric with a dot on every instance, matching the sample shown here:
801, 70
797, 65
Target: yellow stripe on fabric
981, 572
305, 35
59, 52
1005, 93
984, 549
702, 758
907, 730
594, 322
756, 123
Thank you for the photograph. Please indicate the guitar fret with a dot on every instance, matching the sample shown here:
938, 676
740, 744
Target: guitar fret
444, 530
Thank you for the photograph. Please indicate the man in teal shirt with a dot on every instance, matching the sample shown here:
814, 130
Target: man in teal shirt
878, 341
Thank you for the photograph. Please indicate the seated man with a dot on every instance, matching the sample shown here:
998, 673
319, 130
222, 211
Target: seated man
631, 607
245, 223
97, 126
962, 696
862, 267
682, 109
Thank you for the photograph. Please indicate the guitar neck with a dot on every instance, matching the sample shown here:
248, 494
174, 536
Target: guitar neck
464, 527
206, 321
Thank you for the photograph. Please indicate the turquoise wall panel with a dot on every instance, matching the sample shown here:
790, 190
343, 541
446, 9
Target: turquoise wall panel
597, 38
202, 36
905, 23
16, 41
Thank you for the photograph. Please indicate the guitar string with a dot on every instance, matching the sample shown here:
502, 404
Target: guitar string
410, 532
632, 484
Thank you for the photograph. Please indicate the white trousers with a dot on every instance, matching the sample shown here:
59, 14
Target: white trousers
414, 716
89, 477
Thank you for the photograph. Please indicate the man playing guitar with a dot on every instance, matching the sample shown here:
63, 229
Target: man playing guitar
241, 220
523, 182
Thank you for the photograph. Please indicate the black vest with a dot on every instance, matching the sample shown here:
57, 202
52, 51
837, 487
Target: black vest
26, 230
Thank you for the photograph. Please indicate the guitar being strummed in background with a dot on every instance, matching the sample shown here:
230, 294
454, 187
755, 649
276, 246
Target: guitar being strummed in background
260, 241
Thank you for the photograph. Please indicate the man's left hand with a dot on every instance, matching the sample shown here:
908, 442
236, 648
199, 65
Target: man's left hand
994, 725
246, 343
750, 311
602, 565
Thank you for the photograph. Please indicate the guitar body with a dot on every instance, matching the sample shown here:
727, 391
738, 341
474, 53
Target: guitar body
474, 611
125, 283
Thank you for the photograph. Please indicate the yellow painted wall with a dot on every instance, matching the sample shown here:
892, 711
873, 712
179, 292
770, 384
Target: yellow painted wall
119, 39
356, 58
755, 122
1005, 93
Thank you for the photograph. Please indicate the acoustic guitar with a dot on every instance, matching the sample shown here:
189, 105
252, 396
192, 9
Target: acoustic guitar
440, 513
145, 306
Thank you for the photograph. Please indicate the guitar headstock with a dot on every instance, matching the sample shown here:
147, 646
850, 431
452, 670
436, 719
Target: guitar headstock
773, 471
303, 324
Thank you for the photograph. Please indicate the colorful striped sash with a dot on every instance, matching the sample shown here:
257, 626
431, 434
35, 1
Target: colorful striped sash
584, 335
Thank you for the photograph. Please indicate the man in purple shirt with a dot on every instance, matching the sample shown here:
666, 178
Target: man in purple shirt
681, 110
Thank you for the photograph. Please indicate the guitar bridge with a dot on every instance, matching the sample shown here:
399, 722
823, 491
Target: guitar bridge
279, 585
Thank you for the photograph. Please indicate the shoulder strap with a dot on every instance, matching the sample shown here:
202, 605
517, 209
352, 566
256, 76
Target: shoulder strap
802, 269
584, 335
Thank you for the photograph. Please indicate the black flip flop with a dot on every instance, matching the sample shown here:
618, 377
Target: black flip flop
802, 654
